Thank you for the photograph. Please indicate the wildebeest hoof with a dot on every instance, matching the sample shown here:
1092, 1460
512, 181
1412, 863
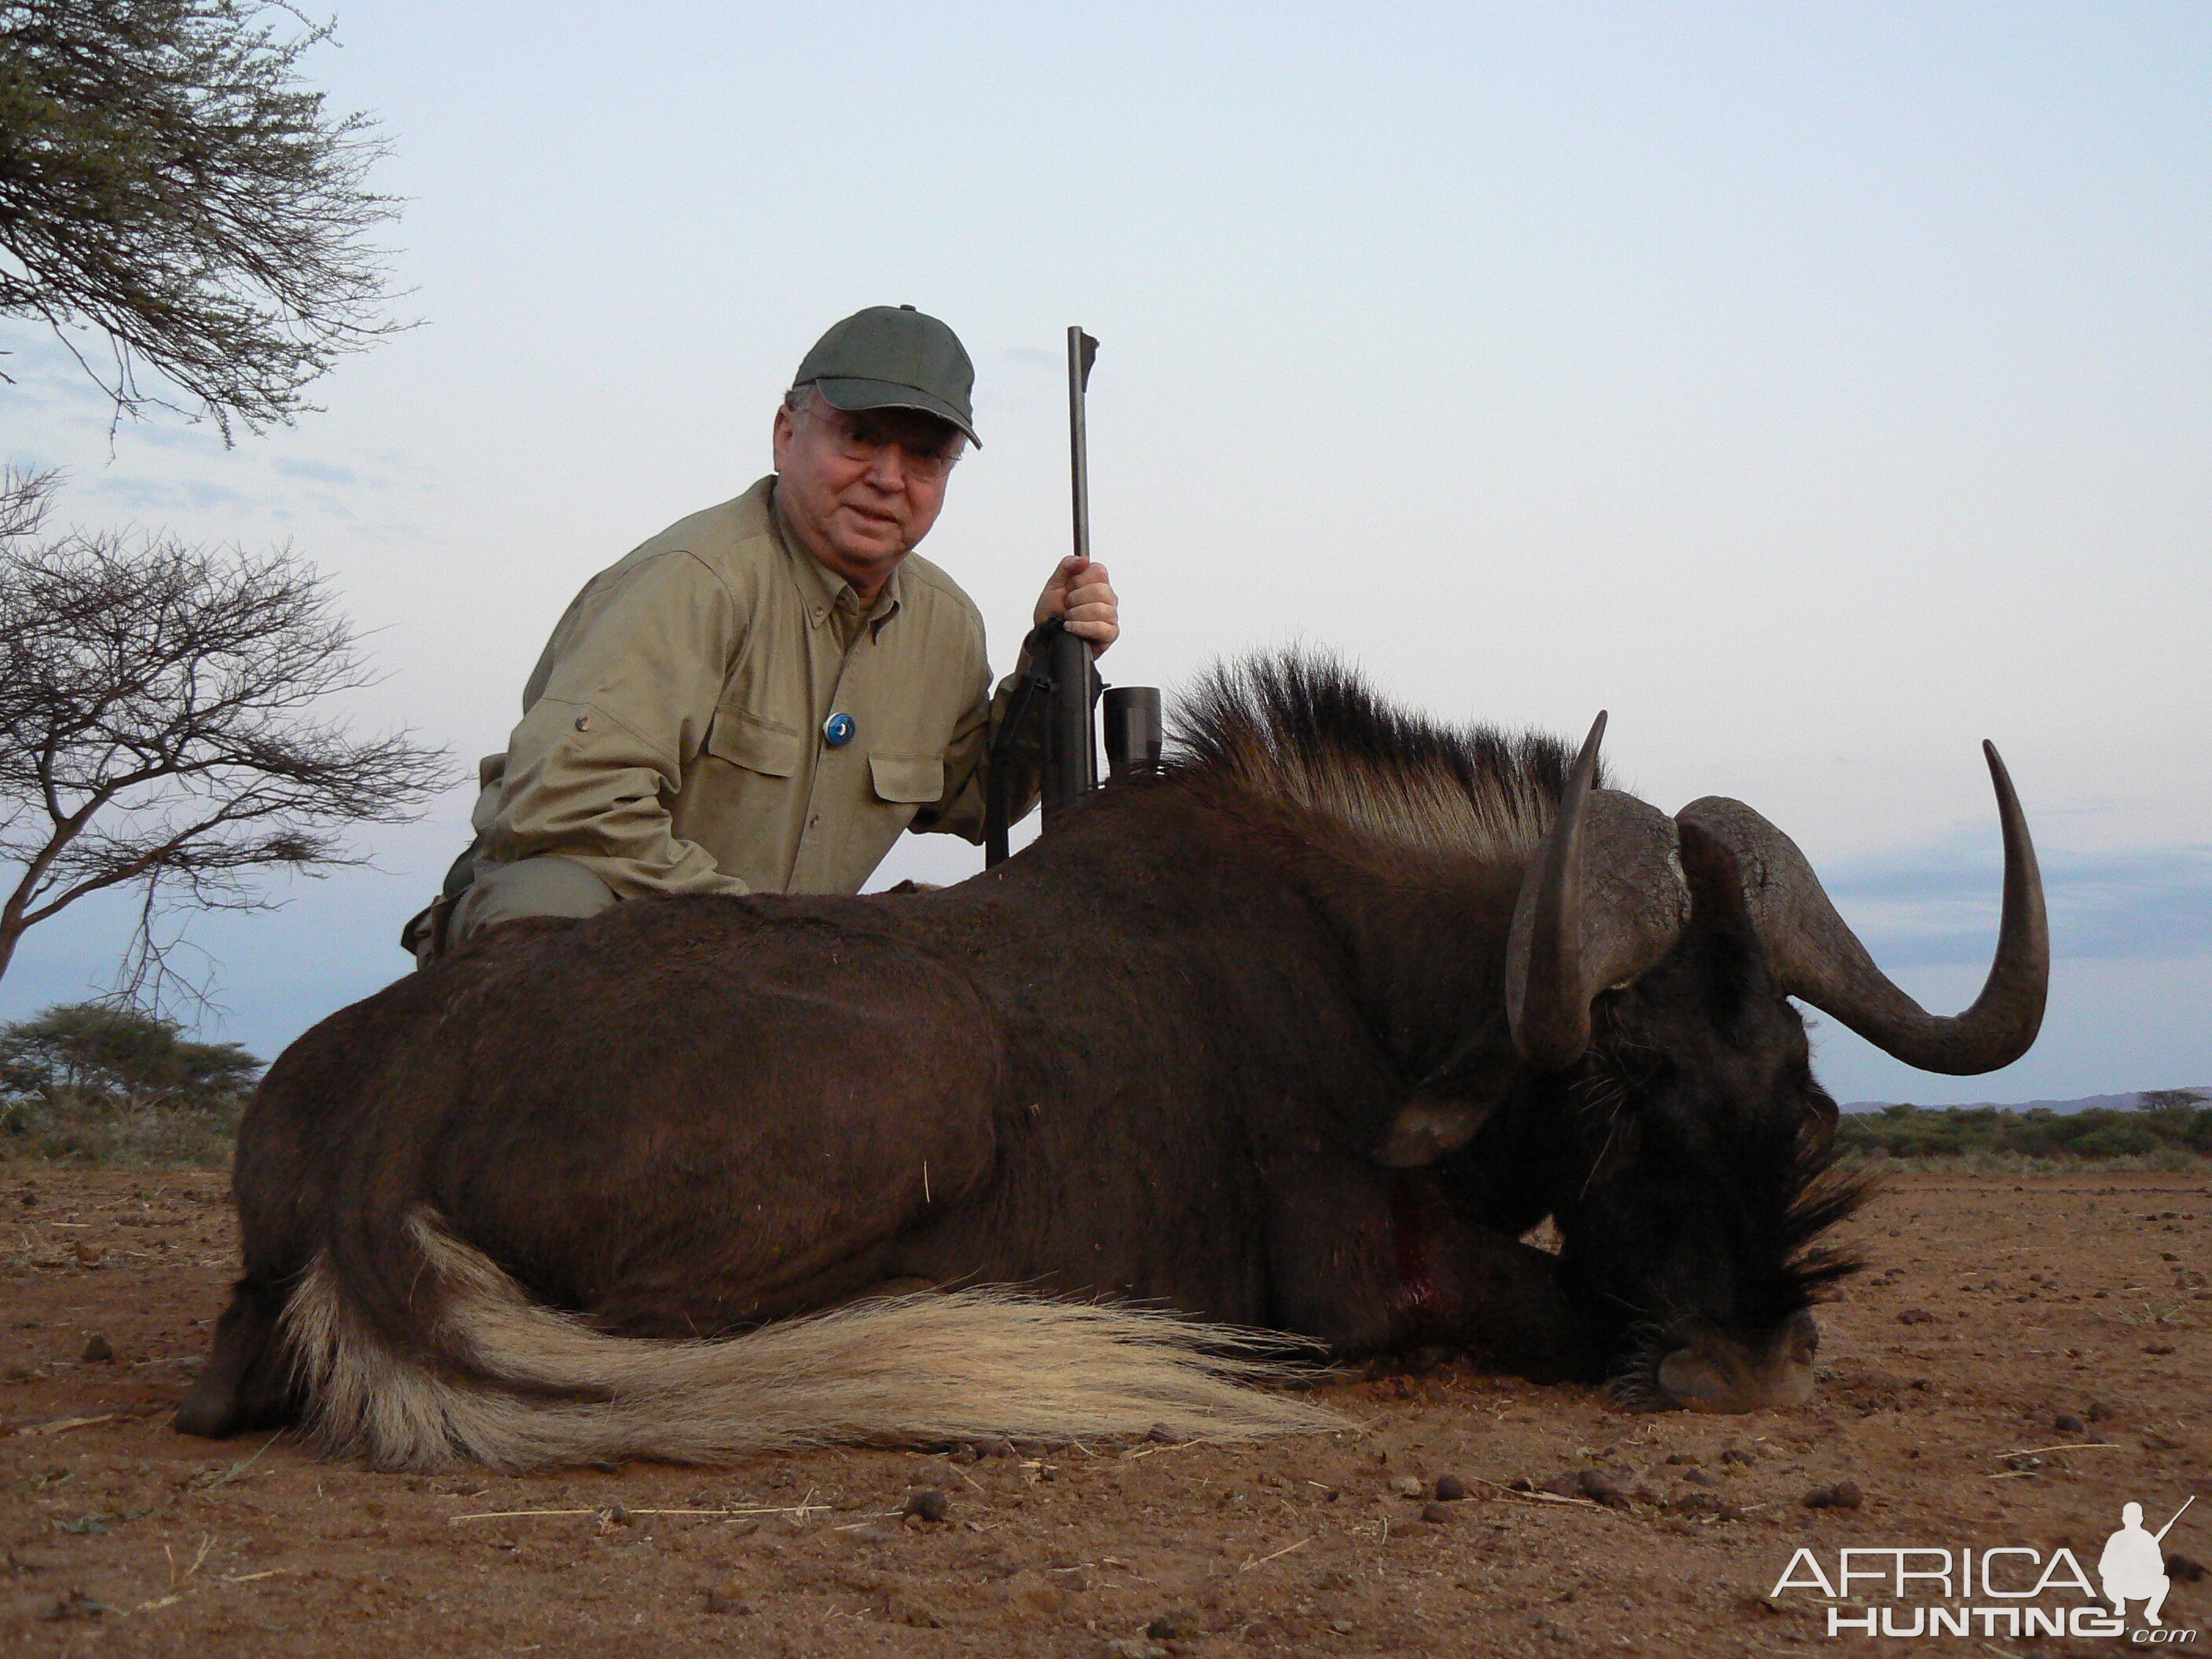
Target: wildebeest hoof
210, 1411
220, 1411
1716, 1372
248, 1383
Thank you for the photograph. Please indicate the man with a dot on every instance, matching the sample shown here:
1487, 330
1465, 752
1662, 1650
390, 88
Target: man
2134, 1565
763, 696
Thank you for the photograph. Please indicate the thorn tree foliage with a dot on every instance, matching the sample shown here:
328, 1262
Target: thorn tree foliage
169, 183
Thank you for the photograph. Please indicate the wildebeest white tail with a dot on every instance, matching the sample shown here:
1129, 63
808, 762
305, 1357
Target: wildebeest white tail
940, 1366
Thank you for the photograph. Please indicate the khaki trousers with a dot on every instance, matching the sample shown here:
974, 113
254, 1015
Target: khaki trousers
541, 886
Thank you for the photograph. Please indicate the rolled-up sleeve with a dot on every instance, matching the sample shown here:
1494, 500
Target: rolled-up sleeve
624, 699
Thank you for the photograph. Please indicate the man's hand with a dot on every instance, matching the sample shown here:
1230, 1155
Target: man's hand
1081, 591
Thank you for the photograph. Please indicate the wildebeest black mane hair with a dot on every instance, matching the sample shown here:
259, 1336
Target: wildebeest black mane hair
1302, 727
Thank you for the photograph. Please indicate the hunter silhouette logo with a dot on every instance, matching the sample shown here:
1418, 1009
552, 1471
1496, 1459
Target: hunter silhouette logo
2133, 1565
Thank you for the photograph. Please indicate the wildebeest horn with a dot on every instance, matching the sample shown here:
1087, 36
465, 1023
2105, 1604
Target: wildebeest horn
1601, 900
1817, 957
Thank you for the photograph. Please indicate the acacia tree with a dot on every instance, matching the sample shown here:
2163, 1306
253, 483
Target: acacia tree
157, 731
2167, 1100
119, 1057
167, 180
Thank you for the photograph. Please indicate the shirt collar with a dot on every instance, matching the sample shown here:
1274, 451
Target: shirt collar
822, 588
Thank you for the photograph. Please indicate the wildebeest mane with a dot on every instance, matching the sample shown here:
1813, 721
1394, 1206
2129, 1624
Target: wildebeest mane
1303, 728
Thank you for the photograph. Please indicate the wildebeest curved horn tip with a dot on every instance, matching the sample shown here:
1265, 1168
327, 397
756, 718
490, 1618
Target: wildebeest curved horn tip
1546, 1006
1818, 958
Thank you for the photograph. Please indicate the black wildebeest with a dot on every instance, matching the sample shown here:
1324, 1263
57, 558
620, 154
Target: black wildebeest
1302, 1034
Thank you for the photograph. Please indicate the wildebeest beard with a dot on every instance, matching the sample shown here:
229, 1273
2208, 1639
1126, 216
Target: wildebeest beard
1301, 1033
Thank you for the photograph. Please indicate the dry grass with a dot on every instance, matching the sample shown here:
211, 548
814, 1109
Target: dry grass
2167, 1160
91, 1134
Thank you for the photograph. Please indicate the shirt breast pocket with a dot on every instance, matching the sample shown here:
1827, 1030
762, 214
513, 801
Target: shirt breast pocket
907, 781
756, 742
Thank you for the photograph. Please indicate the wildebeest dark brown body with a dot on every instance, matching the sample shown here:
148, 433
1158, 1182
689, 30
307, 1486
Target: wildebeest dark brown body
1237, 1040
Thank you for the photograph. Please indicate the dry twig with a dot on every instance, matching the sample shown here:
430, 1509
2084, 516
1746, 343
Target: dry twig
1263, 1560
801, 1510
64, 1424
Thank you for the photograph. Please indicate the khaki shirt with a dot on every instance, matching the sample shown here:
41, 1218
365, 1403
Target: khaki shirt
672, 738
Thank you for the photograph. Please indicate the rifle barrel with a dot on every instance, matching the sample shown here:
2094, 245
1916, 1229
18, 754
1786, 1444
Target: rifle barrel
2178, 1514
1082, 349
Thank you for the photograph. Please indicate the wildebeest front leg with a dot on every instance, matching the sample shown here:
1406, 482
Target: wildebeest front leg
1509, 1307
1372, 1260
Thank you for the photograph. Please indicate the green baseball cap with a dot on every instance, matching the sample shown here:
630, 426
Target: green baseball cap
894, 357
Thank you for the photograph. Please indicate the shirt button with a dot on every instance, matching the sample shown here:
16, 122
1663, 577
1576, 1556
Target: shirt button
813, 819
583, 722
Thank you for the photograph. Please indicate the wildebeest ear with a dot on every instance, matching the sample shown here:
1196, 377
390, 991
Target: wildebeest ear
1732, 954
1716, 883
1822, 1116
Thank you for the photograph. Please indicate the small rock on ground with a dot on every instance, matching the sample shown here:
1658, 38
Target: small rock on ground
928, 1502
1600, 1486
1843, 1495
728, 1598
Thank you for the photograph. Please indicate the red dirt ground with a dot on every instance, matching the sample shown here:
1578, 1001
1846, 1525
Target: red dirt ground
1992, 1306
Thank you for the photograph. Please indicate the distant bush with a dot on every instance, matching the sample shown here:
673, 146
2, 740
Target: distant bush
187, 1137
93, 1083
2171, 1128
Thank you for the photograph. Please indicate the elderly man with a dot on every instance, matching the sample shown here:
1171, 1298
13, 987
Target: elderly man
760, 698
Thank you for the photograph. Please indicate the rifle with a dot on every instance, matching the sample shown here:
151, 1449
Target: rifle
2160, 1535
1060, 682
1071, 763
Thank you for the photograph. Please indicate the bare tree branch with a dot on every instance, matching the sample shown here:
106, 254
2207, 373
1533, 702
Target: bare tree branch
24, 498
157, 729
150, 976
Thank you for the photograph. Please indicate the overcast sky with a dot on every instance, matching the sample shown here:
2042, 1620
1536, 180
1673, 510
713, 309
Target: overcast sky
1820, 388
